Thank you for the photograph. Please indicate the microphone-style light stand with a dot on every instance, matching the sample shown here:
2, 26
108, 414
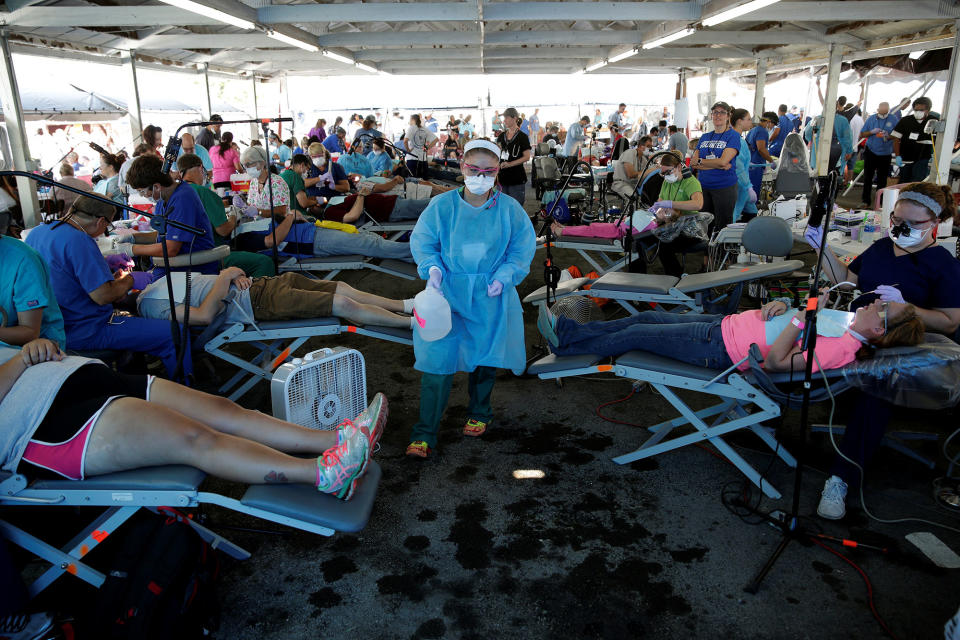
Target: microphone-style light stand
789, 526
158, 222
402, 152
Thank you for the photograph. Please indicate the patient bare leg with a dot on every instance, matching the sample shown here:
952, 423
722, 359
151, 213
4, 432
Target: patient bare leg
349, 309
363, 297
228, 417
132, 433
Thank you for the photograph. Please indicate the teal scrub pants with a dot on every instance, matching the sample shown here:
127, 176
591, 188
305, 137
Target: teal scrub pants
435, 393
744, 209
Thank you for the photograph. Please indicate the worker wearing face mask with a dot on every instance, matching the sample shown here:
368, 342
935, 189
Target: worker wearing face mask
757, 140
380, 163
327, 179
879, 150
473, 246
912, 147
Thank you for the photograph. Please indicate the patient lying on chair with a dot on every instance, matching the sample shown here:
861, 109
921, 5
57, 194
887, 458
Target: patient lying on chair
76, 417
720, 342
290, 296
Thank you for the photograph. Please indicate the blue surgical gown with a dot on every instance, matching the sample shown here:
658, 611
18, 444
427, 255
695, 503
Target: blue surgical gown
742, 164
473, 247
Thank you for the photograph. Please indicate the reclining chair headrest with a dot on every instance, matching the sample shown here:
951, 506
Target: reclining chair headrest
199, 257
768, 236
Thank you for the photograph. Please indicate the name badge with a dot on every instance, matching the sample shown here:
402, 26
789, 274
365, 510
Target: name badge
914, 136
711, 157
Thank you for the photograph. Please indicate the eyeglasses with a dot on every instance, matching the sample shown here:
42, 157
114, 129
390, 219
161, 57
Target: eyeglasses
480, 170
896, 221
883, 314
718, 112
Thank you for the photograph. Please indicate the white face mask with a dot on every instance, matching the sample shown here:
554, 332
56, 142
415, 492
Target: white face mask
910, 241
253, 172
478, 185
319, 162
882, 116
671, 177
919, 115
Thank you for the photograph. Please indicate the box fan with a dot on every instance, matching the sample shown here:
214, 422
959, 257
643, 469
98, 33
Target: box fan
322, 389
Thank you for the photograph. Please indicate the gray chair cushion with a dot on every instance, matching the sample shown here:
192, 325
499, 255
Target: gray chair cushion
563, 288
654, 362
396, 332
587, 242
306, 503
399, 266
768, 236
333, 260
633, 283
704, 281
554, 363
172, 477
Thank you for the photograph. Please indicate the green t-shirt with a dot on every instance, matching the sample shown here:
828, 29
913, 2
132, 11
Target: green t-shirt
680, 191
295, 181
216, 212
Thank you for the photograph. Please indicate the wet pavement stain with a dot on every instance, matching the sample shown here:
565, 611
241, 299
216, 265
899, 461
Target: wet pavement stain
336, 568
416, 543
410, 584
687, 556
463, 474
324, 599
433, 628
427, 515
474, 542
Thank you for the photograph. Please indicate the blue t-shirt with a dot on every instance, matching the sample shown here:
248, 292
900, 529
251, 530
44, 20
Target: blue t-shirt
185, 206
353, 162
25, 286
298, 241
201, 152
755, 134
318, 190
431, 125
927, 278
76, 269
574, 137
786, 126
880, 146
711, 147
333, 144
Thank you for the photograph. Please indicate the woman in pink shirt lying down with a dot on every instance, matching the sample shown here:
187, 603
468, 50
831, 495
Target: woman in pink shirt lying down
717, 342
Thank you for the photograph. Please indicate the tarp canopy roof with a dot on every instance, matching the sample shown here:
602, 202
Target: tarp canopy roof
470, 36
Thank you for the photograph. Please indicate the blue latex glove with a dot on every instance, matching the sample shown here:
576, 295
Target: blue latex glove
814, 236
119, 261
898, 161
249, 212
772, 165
238, 202
141, 279
889, 294
436, 277
751, 195
662, 204
494, 289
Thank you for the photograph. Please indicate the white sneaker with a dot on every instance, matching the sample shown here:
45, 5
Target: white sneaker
833, 499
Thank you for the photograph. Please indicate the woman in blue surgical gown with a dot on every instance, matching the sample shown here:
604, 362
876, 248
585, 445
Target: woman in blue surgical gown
474, 245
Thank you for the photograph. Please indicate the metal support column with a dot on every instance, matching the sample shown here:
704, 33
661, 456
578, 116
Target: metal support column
206, 105
17, 134
255, 128
761, 86
829, 111
129, 63
711, 95
951, 112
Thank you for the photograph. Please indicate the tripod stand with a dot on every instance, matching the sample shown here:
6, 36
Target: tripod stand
827, 191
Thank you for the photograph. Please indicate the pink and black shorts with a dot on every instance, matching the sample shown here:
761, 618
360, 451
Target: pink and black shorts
59, 445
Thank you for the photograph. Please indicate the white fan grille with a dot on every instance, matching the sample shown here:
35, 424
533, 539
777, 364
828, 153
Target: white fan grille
321, 394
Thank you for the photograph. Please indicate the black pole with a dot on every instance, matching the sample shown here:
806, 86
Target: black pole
273, 222
789, 527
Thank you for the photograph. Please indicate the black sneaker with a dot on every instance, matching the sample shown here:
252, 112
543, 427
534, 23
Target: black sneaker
28, 626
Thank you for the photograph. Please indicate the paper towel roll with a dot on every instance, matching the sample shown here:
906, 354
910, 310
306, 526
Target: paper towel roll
886, 206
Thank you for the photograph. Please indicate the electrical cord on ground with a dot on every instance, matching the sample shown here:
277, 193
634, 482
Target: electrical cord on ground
863, 502
866, 580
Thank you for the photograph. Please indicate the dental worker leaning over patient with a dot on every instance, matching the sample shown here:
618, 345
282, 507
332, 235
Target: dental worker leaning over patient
473, 245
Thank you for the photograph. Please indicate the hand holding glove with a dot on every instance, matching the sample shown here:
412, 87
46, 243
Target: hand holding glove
494, 289
125, 239
751, 195
814, 236
662, 204
888, 293
238, 202
436, 277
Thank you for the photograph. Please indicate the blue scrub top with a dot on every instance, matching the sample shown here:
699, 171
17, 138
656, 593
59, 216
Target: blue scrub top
333, 144
353, 162
185, 206
76, 269
786, 127
711, 146
574, 136
927, 278
473, 246
880, 146
379, 163
284, 153
25, 286
109, 188
338, 174
755, 134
